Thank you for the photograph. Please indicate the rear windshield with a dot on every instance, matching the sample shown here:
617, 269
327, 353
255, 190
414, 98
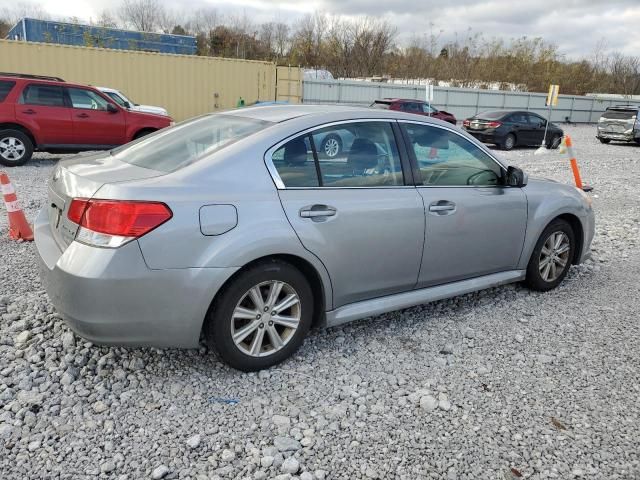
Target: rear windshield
5, 88
381, 105
491, 115
620, 114
176, 147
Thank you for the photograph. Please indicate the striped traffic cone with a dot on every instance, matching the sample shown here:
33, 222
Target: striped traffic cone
18, 226
574, 165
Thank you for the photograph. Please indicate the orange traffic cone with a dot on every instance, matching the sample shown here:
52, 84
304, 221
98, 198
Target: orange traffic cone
18, 226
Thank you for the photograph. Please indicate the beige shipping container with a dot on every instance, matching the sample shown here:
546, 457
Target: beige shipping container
186, 85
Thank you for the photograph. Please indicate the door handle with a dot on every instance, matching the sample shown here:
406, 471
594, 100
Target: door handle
316, 211
442, 207
82, 115
29, 112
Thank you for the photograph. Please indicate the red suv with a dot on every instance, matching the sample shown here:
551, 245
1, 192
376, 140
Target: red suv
48, 114
414, 106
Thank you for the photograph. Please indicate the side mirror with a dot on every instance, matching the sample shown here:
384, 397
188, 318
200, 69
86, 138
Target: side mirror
128, 104
111, 108
516, 177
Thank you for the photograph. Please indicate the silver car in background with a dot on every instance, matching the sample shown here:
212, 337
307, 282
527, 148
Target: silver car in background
620, 124
234, 227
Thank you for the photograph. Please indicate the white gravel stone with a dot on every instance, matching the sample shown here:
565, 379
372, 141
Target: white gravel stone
160, 472
428, 403
194, 441
227, 455
290, 465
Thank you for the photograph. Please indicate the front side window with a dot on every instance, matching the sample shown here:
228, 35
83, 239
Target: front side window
428, 109
86, 99
43, 95
448, 159
517, 118
536, 121
358, 154
5, 88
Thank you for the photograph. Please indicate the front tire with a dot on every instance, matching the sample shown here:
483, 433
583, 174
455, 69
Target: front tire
509, 142
16, 148
604, 140
262, 317
551, 257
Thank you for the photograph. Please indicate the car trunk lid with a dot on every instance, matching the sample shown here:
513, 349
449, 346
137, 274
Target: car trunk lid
618, 120
81, 177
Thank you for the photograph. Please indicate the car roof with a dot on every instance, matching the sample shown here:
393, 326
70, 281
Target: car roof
44, 80
391, 100
326, 113
281, 113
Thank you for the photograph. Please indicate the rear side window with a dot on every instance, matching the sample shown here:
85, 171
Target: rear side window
5, 88
43, 95
188, 142
295, 163
357, 154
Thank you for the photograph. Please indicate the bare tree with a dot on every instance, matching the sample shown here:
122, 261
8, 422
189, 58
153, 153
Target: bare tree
143, 15
106, 19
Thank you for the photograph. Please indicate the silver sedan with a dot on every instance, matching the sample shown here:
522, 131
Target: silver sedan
234, 228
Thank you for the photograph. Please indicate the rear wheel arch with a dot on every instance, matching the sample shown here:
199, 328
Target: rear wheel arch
310, 273
20, 128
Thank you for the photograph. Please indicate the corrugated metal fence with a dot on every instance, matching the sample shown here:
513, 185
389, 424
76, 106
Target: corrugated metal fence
186, 85
462, 102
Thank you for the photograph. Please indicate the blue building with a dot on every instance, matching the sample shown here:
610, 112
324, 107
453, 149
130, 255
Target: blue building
31, 30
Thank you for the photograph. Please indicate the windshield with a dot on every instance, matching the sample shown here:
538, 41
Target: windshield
620, 114
491, 115
176, 147
118, 99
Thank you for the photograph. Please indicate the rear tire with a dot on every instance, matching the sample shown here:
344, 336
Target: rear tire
604, 140
262, 317
554, 143
331, 146
16, 148
551, 257
509, 142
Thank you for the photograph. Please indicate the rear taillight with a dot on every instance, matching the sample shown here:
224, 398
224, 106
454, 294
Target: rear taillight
493, 124
466, 123
112, 223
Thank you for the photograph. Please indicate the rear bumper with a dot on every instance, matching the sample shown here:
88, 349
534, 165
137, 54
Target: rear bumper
622, 137
110, 296
589, 226
485, 137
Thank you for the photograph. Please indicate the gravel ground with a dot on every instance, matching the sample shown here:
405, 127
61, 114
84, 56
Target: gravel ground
500, 384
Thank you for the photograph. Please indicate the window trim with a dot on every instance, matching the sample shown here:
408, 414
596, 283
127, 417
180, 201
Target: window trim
417, 175
405, 163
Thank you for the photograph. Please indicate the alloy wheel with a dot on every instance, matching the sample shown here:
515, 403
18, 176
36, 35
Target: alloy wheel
509, 142
266, 318
331, 147
554, 256
12, 148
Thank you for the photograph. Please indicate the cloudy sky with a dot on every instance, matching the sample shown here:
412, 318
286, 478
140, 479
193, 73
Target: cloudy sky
576, 26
